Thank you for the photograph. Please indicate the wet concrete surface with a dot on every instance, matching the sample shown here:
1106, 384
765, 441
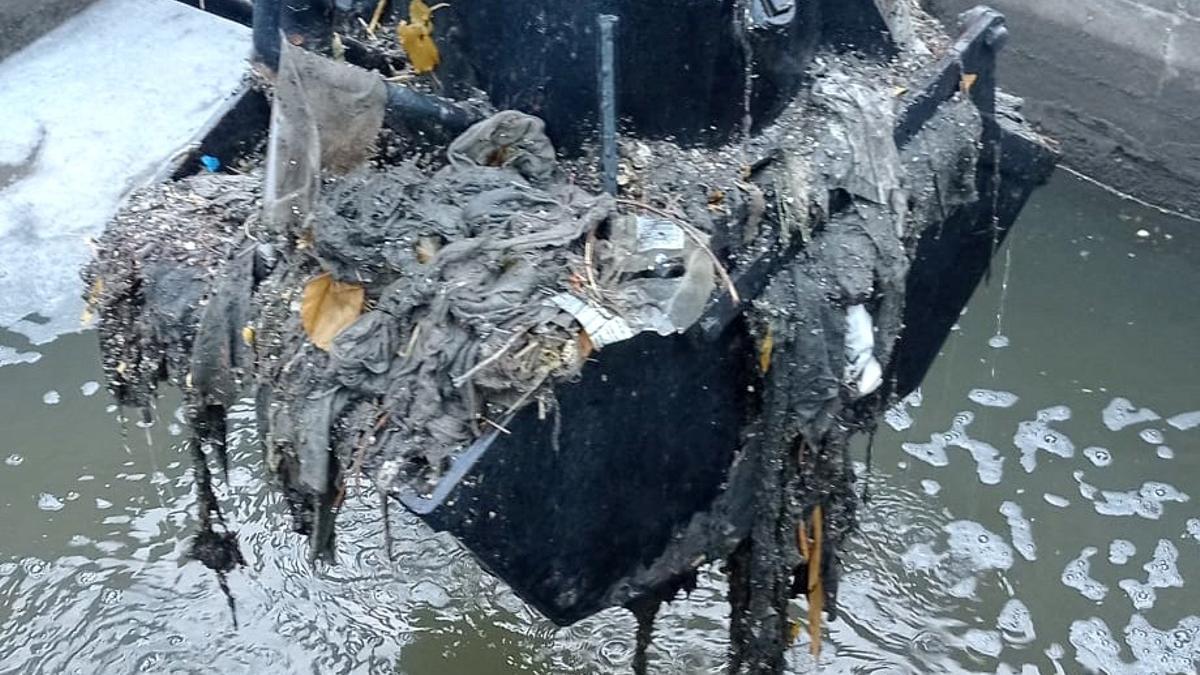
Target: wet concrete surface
89, 111
1075, 551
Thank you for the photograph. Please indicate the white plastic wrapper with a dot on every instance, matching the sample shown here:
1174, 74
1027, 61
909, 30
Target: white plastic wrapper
863, 371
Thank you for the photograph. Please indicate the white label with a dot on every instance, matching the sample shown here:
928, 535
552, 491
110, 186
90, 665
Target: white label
602, 326
658, 233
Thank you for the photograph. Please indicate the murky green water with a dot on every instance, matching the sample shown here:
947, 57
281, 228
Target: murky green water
971, 558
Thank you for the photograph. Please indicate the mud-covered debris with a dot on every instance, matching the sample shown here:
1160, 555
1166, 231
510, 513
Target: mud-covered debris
492, 275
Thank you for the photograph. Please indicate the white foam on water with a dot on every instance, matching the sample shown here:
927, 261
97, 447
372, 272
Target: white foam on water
1185, 421
14, 460
1120, 413
10, 356
51, 398
1120, 551
916, 398
1163, 570
1026, 669
1056, 500
998, 341
1146, 502
1095, 647
931, 487
992, 398
921, 558
964, 589
1152, 436
932, 453
898, 417
1016, 623
1086, 489
94, 109
986, 642
48, 502
1036, 434
1022, 530
982, 548
1055, 413
1078, 575
989, 464
1142, 595
1164, 651
1098, 456
1165, 452
89, 388
1193, 528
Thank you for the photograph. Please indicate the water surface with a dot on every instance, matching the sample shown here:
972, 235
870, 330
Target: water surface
1035, 509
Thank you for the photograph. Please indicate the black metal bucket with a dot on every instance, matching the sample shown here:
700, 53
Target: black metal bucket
635, 481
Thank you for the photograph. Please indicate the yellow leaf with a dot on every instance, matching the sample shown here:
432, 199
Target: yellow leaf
328, 306
793, 631
248, 335
968, 79
816, 589
764, 351
416, 36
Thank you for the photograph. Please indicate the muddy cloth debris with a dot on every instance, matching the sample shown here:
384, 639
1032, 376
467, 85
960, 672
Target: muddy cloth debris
487, 285
152, 282
494, 274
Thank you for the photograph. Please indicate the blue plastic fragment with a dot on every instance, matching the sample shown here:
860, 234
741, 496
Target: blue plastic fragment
211, 163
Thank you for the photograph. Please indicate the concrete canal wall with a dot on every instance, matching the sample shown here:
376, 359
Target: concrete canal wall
1116, 81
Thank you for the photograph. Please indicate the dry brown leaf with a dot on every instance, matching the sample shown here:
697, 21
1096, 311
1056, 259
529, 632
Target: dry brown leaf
416, 36
586, 346
328, 307
248, 335
967, 81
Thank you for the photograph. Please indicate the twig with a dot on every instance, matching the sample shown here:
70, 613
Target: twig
359, 455
696, 236
588, 248
376, 17
412, 342
499, 428
525, 397
462, 379
246, 227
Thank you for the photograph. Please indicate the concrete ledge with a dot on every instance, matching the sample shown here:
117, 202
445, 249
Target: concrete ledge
1116, 81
